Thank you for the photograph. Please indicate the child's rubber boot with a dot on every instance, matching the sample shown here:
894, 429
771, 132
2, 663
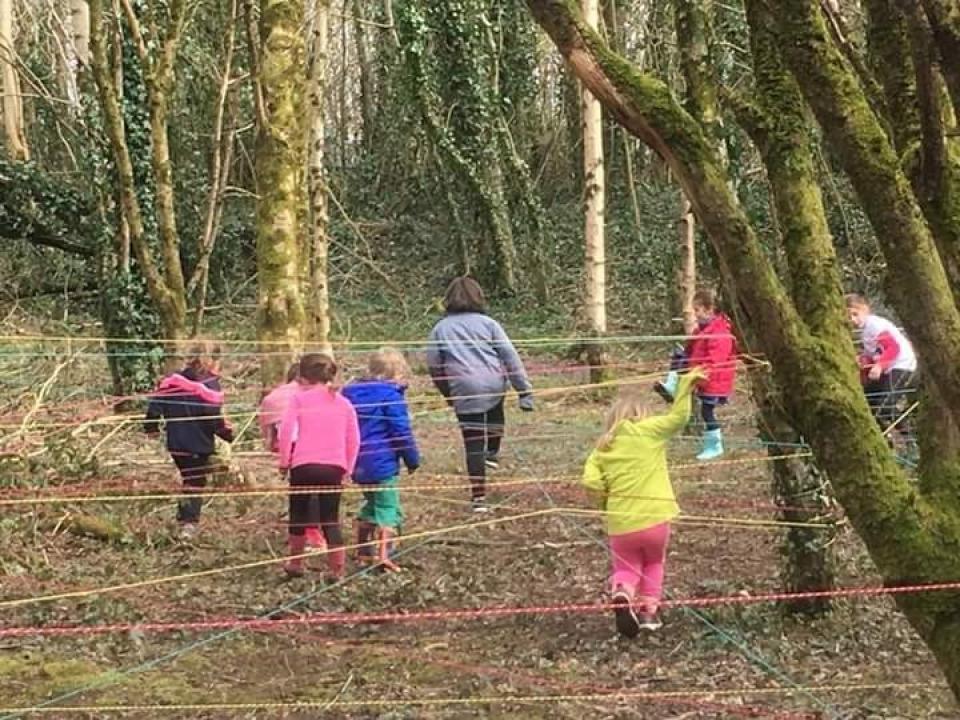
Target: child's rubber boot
667, 388
712, 445
293, 567
365, 551
336, 563
385, 538
314, 538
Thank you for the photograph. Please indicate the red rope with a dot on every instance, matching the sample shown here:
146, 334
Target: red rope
459, 614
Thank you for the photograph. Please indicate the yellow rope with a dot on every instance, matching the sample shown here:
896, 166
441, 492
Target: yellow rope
707, 520
481, 700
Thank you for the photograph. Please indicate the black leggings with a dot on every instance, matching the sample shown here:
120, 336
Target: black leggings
884, 397
195, 471
317, 508
482, 434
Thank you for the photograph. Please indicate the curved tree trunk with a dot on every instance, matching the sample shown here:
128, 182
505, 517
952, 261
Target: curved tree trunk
912, 537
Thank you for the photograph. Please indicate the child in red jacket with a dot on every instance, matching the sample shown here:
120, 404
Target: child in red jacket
712, 347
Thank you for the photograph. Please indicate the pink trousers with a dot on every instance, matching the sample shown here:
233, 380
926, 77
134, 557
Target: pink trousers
638, 564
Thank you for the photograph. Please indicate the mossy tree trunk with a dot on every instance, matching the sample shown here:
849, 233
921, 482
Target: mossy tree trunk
319, 216
916, 280
913, 537
944, 18
281, 192
164, 285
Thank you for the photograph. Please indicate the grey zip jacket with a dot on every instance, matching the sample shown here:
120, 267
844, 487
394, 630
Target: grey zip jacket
473, 363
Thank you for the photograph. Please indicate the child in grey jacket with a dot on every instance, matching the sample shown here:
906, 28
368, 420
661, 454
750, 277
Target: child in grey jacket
473, 363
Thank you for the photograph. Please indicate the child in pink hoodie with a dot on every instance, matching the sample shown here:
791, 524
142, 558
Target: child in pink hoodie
272, 407
318, 442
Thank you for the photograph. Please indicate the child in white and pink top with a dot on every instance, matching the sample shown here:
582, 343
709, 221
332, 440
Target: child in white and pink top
318, 443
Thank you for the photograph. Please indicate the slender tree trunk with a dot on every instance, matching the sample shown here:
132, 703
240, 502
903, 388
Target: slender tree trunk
316, 174
944, 18
170, 307
594, 196
224, 133
16, 139
280, 186
687, 272
367, 96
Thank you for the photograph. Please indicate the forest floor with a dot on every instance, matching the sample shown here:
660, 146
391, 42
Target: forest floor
722, 661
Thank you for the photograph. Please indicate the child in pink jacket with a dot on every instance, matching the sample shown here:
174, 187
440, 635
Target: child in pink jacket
318, 442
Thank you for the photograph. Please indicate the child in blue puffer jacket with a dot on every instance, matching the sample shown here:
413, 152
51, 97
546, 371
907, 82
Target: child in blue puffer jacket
386, 438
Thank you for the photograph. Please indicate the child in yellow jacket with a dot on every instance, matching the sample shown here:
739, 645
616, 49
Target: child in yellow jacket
627, 472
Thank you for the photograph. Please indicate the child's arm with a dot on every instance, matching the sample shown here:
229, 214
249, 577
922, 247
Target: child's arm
401, 434
436, 365
151, 423
665, 426
593, 480
513, 365
353, 436
287, 433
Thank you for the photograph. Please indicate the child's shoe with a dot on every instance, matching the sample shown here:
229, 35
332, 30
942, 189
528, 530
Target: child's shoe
492, 462
336, 563
365, 531
293, 567
188, 531
712, 445
628, 624
480, 505
667, 388
649, 621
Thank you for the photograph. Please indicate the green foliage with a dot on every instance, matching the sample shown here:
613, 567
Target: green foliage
127, 313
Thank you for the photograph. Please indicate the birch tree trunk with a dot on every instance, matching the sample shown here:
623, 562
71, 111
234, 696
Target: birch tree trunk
280, 184
687, 271
16, 141
595, 299
316, 173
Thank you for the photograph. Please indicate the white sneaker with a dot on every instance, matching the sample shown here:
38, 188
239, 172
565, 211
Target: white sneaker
492, 463
649, 622
188, 531
480, 505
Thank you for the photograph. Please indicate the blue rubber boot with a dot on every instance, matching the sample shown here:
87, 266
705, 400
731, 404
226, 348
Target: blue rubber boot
712, 445
667, 389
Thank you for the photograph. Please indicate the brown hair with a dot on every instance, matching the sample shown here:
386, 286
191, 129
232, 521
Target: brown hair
388, 364
317, 369
203, 356
463, 295
293, 372
631, 406
854, 300
705, 298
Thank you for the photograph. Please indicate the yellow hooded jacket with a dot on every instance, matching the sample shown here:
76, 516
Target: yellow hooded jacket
630, 477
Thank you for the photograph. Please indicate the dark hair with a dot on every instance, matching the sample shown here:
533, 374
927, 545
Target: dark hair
705, 298
856, 300
464, 295
293, 372
317, 368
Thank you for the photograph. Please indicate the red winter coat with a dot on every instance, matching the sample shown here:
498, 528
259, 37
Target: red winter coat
714, 348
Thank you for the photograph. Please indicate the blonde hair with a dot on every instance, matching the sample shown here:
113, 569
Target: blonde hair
388, 364
627, 407
203, 356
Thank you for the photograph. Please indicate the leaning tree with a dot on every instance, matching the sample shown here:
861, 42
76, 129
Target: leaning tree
905, 178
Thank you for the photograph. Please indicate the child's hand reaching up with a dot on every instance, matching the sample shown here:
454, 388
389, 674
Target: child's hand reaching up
696, 374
